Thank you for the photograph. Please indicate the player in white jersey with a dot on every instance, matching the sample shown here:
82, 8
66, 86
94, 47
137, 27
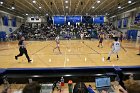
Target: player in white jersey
57, 44
82, 36
116, 46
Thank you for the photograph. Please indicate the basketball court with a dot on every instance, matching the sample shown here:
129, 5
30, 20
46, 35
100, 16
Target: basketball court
74, 54
54, 45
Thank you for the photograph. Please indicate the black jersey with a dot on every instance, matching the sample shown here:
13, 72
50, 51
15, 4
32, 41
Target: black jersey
21, 44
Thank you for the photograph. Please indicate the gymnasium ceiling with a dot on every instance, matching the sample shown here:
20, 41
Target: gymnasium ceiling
72, 7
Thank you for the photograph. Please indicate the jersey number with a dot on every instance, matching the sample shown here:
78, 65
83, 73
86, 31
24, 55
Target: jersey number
117, 44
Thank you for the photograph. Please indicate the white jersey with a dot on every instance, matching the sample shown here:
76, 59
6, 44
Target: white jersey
82, 35
116, 46
57, 39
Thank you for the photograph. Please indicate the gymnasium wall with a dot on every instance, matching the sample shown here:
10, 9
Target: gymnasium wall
9, 22
127, 19
125, 23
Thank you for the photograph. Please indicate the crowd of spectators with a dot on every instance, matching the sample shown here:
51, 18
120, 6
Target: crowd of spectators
45, 32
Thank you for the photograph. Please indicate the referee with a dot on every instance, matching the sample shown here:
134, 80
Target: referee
22, 49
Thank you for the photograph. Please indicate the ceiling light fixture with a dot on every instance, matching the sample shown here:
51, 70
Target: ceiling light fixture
47, 14
40, 7
119, 6
67, 7
66, 1
129, 1
34, 1
93, 7
13, 6
26, 14
98, 1
1, 2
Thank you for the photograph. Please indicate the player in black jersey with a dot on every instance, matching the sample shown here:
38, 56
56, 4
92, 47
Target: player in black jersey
22, 49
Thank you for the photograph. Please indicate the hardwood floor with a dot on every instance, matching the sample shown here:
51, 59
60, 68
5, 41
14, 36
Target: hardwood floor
74, 54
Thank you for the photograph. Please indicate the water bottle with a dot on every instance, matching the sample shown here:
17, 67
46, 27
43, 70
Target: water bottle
62, 81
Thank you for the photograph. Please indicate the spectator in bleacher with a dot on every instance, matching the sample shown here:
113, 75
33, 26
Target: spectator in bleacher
54, 85
130, 87
32, 88
80, 88
133, 87
58, 86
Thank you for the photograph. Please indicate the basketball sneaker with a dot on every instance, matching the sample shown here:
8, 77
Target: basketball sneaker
108, 59
16, 57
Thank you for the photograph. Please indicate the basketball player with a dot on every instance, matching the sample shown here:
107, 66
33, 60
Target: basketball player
121, 37
116, 46
101, 38
57, 44
82, 36
22, 49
